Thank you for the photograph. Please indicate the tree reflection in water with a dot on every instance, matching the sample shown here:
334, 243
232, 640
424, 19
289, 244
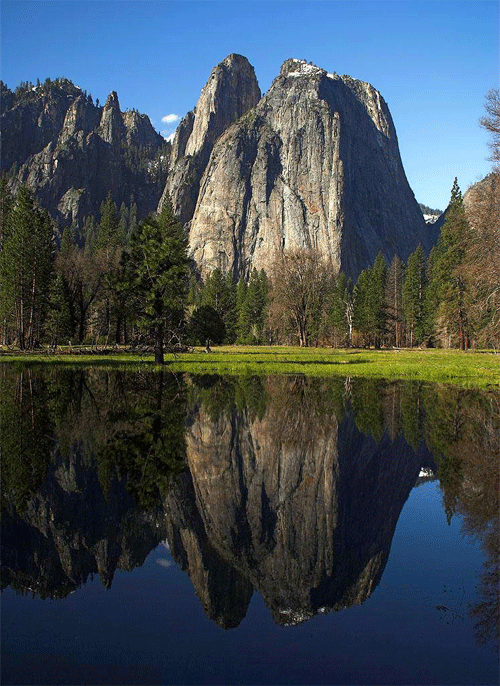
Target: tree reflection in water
291, 486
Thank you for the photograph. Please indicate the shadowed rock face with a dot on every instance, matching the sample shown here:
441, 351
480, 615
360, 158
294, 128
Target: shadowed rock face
314, 164
71, 153
308, 523
231, 90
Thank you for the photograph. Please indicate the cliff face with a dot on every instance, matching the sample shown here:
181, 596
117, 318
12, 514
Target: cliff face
314, 164
231, 90
72, 153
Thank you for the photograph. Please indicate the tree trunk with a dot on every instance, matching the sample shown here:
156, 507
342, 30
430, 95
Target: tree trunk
159, 359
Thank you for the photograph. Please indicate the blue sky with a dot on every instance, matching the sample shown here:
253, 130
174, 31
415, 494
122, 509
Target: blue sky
433, 61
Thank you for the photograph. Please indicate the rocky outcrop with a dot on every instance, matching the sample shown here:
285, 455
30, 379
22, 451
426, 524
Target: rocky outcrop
71, 153
314, 164
482, 199
231, 90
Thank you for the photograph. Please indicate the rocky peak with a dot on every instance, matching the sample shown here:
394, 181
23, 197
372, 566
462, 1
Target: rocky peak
139, 130
230, 91
112, 101
80, 116
294, 67
111, 126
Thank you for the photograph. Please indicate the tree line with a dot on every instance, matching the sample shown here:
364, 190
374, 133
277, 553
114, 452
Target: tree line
122, 282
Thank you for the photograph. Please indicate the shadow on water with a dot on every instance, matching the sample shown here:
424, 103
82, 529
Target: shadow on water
289, 486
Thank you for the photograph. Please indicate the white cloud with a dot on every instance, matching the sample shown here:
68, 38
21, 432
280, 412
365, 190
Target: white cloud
168, 136
170, 118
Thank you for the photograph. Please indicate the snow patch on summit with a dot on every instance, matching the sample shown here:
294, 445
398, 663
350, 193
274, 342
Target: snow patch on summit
304, 69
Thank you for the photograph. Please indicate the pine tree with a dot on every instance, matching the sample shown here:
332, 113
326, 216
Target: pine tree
252, 313
414, 295
231, 312
394, 289
108, 248
26, 264
377, 299
370, 309
219, 292
123, 222
159, 270
6, 205
243, 325
448, 300
59, 324
361, 310
341, 311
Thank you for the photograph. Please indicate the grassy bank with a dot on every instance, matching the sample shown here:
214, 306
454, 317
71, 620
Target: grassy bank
471, 369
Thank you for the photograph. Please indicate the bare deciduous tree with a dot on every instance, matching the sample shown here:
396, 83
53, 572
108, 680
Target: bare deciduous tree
301, 282
482, 264
491, 122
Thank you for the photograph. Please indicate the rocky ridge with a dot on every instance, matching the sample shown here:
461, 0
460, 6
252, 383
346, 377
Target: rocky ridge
71, 152
314, 163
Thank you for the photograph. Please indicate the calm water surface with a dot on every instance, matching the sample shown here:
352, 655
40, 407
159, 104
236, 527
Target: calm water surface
278, 530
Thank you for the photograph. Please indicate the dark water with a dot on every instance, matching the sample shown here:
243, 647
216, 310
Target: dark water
194, 530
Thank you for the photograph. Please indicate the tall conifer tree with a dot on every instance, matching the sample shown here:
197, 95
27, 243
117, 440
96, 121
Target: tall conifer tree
159, 275
447, 272
414, 295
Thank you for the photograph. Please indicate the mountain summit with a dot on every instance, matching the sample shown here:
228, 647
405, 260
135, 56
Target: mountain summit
315, 164
230, 91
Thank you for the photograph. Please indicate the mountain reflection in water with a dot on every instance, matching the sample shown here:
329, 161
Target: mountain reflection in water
290, 486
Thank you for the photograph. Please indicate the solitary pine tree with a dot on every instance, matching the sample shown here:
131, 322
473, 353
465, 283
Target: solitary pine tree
159, 275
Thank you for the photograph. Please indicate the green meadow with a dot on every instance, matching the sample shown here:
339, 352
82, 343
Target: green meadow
467, 369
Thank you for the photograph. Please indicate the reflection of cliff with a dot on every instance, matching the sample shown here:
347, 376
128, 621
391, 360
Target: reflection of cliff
305, 518
71, 530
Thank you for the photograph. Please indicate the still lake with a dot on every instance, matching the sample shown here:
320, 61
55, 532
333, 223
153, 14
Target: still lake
161, 529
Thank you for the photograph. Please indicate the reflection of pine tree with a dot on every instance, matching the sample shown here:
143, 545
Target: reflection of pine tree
367, 406
25, 435
412, 413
